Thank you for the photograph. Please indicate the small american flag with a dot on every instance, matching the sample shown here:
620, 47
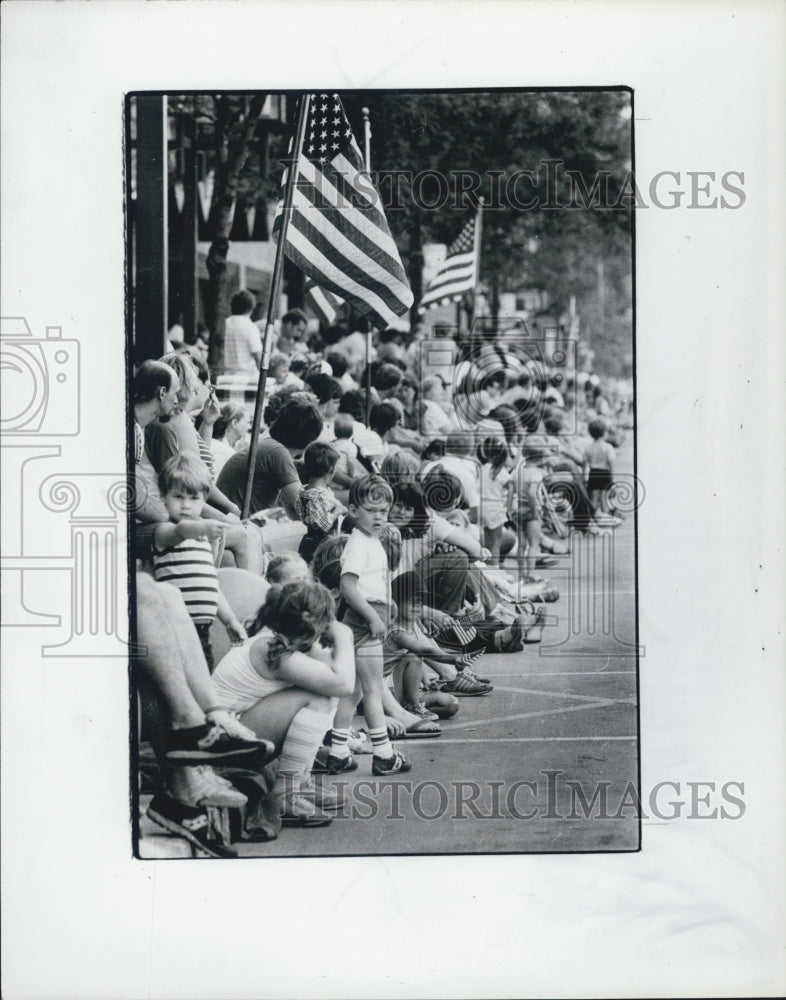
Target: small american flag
458, 272
338, 234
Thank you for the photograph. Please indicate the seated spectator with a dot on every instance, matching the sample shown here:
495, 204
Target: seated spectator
459, 460
229, 433
275, 481
328, 393
349, 466
385, 380
188, 729
407, 393
434, 421
369, 444
156, 388
286, 567
284, 683
384, 417
179, 435
339, 367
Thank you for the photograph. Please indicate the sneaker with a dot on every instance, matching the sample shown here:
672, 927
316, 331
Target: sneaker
340, 765
201, 786
419, 709
188, 822
474, 677
397, 764
210, 743
297, 810
324, 798
465, 686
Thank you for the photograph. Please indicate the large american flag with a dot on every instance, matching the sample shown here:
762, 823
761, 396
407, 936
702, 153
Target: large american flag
457, 274
338, 234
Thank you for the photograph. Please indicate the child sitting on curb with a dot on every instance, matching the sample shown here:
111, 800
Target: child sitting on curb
182, 550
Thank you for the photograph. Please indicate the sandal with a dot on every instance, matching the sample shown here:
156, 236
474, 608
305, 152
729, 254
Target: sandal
421, 730
534, 633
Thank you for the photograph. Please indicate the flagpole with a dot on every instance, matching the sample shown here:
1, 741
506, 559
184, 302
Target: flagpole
367, 160
275, 285
478, 231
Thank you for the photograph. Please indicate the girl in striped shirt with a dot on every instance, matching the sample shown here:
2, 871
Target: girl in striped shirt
183, 551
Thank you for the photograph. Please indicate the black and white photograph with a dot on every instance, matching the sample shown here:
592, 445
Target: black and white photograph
383, 418
391, 440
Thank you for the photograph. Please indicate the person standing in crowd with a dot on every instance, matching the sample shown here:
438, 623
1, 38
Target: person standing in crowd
599, 465
365, 587
242, 342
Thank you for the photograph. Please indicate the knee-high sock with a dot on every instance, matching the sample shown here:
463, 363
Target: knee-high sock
303, 739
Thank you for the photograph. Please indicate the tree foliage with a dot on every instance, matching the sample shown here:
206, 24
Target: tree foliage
427, 147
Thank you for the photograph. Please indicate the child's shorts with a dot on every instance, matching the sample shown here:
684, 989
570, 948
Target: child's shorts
599, 479
359, 625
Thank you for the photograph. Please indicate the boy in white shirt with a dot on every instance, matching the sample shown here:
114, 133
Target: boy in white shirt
365, 587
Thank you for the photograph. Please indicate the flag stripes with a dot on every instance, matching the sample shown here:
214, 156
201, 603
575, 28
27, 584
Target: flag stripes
323, 304
457, 274
337, 234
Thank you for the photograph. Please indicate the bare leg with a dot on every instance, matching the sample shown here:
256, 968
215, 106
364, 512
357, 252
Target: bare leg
395, 711
493, 540
446, 671
237, 544
368, 662
407, 678
270, 718
157, 631
184, 642
533, 546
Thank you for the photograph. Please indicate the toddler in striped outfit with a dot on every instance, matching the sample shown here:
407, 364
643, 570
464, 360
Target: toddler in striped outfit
183, 551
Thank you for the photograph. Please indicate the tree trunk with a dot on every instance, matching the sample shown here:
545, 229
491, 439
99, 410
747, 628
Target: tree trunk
232, 140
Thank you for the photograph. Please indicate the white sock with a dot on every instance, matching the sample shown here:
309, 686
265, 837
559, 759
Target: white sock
301, 743
381, 742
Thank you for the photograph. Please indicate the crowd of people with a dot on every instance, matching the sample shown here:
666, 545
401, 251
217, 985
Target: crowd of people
400, 523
